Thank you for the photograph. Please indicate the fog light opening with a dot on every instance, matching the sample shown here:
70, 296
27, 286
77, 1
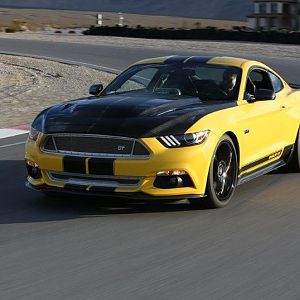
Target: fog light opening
172, 179
176, 181
33, 170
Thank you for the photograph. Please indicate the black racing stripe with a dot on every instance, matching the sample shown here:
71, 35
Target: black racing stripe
141, 115
73, 164
101, 189
200, 59
75, 187
101, 166
254, 164
180, 124
260, 171
266, 158
177, 59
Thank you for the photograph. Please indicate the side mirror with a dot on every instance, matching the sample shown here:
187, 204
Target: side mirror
96, 89
264, 94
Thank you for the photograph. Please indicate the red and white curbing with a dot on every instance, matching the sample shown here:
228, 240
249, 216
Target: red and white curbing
11, 132
65, 31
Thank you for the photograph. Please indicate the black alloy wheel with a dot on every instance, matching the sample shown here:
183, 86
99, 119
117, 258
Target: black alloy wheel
222, 176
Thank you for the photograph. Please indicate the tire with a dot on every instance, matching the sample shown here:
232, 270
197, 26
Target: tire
293, 166
222, 176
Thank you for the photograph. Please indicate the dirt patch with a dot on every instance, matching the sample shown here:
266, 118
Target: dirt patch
27, 86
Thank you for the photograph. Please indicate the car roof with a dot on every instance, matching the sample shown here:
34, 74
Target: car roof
217, 60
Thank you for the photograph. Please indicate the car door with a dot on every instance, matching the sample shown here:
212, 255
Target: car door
290, 122
262, 122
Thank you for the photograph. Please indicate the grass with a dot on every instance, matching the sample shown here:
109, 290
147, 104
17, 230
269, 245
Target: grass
58, 75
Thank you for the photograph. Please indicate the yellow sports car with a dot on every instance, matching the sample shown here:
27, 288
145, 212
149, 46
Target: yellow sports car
170, 128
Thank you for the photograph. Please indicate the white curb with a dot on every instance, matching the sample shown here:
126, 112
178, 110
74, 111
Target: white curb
6, 133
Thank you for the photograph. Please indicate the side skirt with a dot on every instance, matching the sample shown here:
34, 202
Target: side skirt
261, 171
284, 159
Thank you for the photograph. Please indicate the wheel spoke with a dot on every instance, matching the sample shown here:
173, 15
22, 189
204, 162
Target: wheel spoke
224, 170
223, 184
229, 162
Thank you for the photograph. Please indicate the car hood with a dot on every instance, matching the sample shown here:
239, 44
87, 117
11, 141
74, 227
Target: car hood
127, 115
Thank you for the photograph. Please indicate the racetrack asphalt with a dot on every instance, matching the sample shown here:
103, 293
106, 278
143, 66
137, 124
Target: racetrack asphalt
107, 249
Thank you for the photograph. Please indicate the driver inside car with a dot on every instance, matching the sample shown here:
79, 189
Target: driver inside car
229, 83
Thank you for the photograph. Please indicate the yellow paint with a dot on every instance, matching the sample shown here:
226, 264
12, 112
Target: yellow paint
272, 125
87, 171
227, 61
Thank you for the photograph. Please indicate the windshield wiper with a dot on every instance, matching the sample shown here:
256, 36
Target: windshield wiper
124, 92
113, 93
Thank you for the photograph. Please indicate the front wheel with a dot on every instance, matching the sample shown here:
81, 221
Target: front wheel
222, 176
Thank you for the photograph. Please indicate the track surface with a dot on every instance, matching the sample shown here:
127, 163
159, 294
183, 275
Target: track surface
91, 249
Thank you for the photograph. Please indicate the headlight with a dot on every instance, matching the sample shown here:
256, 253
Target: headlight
184, 140
33, 134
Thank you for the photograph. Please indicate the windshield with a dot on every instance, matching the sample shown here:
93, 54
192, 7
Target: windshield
208, 82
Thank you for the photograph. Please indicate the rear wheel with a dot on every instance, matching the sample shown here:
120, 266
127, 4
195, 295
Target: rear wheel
293, 166
222, 176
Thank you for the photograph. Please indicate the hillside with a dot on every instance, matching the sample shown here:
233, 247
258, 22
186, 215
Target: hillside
213, 9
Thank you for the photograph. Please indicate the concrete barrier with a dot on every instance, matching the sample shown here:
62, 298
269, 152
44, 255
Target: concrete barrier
198, 34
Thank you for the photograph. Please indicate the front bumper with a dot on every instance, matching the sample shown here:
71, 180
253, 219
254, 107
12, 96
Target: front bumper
140, 196
193, 160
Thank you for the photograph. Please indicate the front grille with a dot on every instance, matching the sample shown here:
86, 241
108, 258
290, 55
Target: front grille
94, 145
95, 181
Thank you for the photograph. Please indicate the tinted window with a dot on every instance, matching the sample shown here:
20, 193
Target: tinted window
262, 8
261, 79
274, 8
277, 83
209, 73
208, 82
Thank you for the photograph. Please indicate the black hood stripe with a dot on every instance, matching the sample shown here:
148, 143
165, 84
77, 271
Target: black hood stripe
182, 123
133, 116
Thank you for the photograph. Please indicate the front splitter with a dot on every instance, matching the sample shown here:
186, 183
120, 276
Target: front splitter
105, 193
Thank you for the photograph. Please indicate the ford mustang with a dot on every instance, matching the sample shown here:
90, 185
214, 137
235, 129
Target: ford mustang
178, 127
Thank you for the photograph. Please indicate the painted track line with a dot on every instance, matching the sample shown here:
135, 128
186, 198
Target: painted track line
13, 144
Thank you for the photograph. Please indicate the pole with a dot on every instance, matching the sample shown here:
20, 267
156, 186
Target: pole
99, 20
121, 20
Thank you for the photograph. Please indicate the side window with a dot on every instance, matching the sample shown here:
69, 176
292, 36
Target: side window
261, 79
277, 83
257, 79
